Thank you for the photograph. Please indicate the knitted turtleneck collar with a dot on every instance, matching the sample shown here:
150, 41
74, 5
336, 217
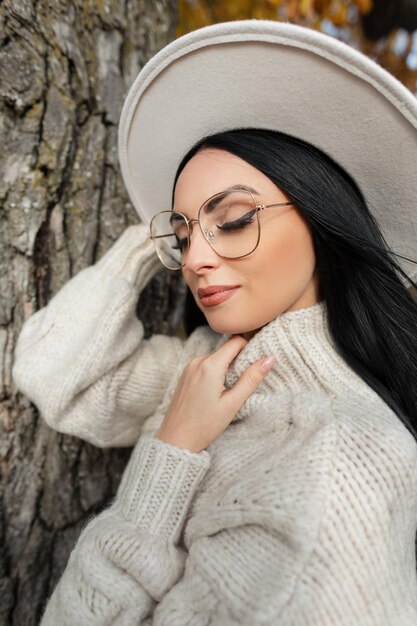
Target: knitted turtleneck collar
306, 357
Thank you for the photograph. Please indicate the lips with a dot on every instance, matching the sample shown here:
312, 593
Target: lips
208, 291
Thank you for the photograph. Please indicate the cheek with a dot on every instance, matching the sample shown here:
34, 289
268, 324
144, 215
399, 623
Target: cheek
290, 259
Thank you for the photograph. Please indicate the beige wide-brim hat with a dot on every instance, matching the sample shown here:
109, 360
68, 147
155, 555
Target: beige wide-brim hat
276, 75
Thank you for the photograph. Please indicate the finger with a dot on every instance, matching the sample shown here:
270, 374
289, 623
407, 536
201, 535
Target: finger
228, 351
249, 381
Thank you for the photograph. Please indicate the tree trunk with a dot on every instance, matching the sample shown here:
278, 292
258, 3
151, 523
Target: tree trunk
65, 68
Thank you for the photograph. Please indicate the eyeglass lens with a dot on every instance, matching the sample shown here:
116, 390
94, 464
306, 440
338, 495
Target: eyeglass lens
229, 222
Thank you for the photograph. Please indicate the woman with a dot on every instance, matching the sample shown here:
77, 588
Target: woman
283, 494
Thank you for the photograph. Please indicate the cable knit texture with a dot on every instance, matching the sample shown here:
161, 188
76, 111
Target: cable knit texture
302, 513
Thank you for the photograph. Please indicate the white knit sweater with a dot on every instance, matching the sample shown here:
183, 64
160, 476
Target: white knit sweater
302, 513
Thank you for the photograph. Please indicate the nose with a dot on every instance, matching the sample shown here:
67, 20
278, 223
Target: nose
200, 254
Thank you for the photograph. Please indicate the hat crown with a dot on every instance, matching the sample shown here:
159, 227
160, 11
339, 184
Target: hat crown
285, 77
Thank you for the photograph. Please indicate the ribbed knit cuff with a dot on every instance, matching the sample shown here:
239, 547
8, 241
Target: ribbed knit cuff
132, 257
158, 485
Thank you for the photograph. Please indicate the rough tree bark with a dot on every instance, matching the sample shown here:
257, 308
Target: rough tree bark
65, 68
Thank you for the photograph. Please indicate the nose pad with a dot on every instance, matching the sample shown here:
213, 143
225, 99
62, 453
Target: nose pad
200, 251
209, 235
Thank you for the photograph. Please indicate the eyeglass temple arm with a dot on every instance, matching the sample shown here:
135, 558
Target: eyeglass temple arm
265, 206
161, 236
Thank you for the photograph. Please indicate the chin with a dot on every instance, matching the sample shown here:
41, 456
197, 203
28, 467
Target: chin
230, 328
233, 327
223, 328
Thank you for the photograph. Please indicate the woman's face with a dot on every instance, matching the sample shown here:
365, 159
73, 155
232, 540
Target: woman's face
278, 276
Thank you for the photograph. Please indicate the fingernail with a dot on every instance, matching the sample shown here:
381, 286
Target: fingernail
267, 363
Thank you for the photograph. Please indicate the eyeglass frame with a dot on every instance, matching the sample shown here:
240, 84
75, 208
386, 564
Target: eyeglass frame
257, 207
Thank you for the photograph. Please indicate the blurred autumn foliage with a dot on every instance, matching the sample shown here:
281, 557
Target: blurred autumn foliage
385, 30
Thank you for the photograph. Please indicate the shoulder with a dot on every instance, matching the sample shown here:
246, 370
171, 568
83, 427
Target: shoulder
373, 434
363, 421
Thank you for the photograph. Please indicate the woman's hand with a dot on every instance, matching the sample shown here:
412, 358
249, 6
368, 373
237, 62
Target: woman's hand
201, 407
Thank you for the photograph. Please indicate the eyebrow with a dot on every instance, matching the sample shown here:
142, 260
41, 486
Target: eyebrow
222, 194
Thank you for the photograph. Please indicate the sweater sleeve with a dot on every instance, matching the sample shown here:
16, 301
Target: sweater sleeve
128, 557
83, 359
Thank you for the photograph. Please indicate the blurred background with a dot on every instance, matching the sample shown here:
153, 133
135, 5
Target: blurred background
65, 68
385, 30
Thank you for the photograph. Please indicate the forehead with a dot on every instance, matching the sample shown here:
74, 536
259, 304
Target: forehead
213, 163
210, 172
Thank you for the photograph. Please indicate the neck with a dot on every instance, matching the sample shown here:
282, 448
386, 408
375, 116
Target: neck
306, 356
304, 302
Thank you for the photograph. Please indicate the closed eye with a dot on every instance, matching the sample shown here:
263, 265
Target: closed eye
243, 221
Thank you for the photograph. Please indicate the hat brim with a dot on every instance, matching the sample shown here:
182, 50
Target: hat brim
266, 74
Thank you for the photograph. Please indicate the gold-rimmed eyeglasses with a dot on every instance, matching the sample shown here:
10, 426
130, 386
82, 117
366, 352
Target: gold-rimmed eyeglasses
229, 221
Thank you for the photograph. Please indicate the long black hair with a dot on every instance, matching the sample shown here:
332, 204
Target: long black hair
372, 314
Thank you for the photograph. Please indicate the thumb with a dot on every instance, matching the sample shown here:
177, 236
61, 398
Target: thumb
249, 380
228, 351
